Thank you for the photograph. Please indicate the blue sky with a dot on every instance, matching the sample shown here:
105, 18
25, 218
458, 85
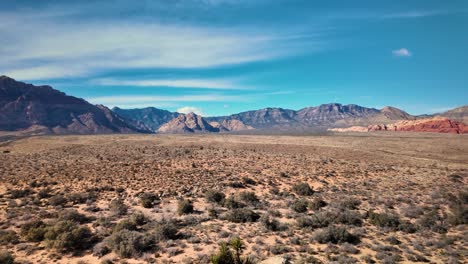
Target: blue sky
218, 57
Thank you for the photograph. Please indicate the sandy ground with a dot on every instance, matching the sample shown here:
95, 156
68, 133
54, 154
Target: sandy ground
419, 179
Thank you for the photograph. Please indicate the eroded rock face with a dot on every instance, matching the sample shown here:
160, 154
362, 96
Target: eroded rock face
25, 107
435, 125
146, 118
188, 123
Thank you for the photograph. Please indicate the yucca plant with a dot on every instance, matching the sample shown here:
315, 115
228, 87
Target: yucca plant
231, 253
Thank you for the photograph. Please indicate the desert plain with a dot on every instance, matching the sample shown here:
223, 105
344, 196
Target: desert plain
337, 198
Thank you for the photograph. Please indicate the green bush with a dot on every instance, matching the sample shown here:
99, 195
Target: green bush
8, 237
68, 236
300, 205
165, 231
335, 235
384, 220
303, 189
74, 216
125, 224
231, 253
213, 196
242, 215
313, 222
129, 244
34, 231
6, 257
184, 207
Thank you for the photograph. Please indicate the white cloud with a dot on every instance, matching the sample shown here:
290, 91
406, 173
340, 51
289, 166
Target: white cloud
38, 48
190, 109
118, 100
402, 52
176, 83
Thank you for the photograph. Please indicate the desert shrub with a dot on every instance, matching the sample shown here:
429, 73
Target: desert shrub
81, 198
68, 236
271, 223
73, 215
117, 207
335, 235
165, 231
346, 217
349, 203
391, 221
278, 248
232, 203
242, 215
300, 205
57, 200
231, 253
125, 224
459, 209
249, 181
8, 237
101, 249
236, 184
6, 257
128, 243
147, 199
249, 198
213, 196
367, 259
459, 215
184, 207
316, 204
303, 189
138, 218
104, 222
308, 260
313, 221
44, 193
34, 231
19, 193
433, 221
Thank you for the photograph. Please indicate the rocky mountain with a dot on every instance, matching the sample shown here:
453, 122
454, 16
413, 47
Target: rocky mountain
263, 118
458, 114
316, 118
188, 123
193, 123
42, 108
149, 118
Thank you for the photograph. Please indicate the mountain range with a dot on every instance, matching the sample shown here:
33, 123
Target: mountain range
42, 109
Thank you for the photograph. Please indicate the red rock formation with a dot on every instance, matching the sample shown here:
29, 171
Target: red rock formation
436, 125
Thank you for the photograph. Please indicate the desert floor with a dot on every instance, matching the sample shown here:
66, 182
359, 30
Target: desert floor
348, 198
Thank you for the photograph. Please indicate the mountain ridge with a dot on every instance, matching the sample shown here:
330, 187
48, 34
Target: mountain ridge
27, 107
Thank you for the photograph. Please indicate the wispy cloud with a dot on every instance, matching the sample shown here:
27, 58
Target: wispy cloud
44, 47
224, 84
403, 52
155, 100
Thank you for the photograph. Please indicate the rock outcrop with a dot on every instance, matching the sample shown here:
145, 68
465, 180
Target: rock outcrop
434, 125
